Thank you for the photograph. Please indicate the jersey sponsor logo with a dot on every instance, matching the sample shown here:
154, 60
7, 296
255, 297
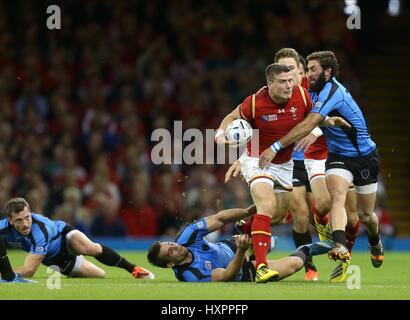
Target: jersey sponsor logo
365, 173
269, 117
200, 224
281, 111
336, 162
208, 265
260, 244
40, 249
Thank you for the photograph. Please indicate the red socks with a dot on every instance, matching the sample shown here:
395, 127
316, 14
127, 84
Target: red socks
261, 236
351, 234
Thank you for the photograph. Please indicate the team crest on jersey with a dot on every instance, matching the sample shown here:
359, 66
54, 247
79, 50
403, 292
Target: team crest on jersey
208, 265
200, 224
365, 173
270, 117
293, 111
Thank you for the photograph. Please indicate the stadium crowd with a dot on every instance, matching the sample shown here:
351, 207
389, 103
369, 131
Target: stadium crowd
78, 105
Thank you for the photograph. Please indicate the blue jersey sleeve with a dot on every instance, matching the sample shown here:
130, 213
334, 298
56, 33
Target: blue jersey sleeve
3, 227
204, 276
329, 99
193, 274
193, 233
39, 241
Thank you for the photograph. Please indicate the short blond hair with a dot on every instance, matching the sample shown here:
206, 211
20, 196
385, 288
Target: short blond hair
287, 53
15, 205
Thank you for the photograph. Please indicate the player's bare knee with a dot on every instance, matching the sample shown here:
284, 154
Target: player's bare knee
338, 198
296, 265
267, 207
91, 249
364, 216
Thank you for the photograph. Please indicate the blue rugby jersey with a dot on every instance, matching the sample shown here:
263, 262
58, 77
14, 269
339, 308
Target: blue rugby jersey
335, 100
298, 155
44, 238
206, 255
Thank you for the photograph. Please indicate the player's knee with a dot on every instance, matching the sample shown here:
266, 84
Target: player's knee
365, 216
91, 249
338, 197
267, 206
296, 265
295, 206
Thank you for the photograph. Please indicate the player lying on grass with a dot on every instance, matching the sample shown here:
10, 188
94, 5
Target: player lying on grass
57, 243
194, 259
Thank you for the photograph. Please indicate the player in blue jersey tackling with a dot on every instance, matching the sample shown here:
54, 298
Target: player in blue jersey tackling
352, 158
57, 243
194, 259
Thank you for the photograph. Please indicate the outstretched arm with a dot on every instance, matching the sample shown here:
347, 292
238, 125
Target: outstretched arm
302, 129
298, 132
31, 265
218, 220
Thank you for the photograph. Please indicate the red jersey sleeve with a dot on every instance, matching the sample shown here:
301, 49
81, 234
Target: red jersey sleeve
305, 82
308, 101
246, 109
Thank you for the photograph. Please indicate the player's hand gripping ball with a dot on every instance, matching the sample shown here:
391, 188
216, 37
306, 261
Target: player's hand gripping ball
238, 132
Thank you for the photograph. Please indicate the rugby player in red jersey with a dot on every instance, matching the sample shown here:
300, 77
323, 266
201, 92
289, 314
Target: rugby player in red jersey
274, 110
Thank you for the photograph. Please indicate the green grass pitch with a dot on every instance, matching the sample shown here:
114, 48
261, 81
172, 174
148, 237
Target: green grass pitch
391, 281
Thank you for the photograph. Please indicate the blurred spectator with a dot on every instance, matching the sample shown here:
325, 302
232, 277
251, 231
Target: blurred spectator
78, 106
65, 213
139, 216
73, 212
106, 222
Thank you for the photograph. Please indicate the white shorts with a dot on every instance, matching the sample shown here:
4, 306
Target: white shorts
278, 175
315, 168
79, 259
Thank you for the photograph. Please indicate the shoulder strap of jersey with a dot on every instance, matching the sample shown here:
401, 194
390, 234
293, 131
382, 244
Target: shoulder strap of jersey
302, 92
253, 105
